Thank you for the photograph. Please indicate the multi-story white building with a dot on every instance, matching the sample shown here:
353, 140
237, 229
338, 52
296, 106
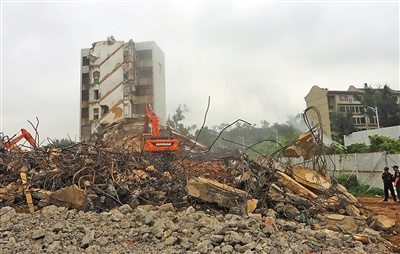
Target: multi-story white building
118, 79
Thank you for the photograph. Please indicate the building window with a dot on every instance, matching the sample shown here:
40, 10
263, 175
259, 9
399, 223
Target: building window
331, 102
372, 120
85, 112
144, 55
96, 77
349, 109
343, 98
85, 78
145, 73
143, 90
140, 108
85, 61
359, 120
96, 113
358, 110
96, 94
104, 109
85, 95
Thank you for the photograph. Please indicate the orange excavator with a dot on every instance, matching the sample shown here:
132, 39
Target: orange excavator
9, 143
151, 139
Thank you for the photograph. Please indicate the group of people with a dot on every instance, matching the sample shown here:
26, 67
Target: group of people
391, 181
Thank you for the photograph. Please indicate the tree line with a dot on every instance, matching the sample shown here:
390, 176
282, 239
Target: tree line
266, 138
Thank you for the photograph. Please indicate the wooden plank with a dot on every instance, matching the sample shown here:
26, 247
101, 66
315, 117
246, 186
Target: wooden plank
27, 193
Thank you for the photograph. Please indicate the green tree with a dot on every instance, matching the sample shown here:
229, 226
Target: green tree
206, 136
357, 148
341, 124
382, 143
388, 109
378, 144
385, 102
176, 121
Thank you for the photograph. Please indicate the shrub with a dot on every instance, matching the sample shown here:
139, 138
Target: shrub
354, 187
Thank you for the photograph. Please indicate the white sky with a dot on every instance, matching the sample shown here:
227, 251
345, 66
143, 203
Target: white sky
256, 60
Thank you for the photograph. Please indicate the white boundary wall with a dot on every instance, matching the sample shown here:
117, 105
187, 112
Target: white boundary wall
368, 167
362, 137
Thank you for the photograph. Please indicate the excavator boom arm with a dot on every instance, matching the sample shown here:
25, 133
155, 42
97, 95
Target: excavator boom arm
151, 117
24, 134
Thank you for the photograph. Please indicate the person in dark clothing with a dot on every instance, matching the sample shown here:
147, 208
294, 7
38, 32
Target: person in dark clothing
388, 178
396, 182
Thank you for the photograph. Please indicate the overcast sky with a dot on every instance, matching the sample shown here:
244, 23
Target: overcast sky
255, 60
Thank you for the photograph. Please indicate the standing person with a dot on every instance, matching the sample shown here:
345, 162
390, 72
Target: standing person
396, 182
387, 178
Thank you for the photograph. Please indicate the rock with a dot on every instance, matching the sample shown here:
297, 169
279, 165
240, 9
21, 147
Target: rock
195, 237
382, 222
48, 238
170, 241
7, 213
124, 209
142, 216
116, 215
57, 227
38, 233
87, 239
249, 246
158, 228
54, 247
320, 235
145, 207
202, 247
232, 237
167, 207
373, 236
337, 221
216, 238
227, 249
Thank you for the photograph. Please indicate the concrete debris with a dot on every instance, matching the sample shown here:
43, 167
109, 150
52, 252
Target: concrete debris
213, 191
71, 197
186, 231
187, 202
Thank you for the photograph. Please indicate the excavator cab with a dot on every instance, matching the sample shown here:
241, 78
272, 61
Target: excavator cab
158, 144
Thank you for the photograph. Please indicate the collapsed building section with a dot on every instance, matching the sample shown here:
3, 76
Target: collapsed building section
109, 171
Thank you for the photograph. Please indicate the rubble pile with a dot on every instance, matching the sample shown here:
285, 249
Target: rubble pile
149, 229
91, 196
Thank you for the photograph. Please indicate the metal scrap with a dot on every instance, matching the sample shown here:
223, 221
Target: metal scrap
99, 174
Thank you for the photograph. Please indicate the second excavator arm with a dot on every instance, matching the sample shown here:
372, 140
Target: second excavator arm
24, 134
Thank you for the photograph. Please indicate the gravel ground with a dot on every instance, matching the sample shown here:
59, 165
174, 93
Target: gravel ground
163, 229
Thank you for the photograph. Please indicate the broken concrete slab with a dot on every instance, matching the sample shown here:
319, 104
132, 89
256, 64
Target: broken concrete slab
70, 197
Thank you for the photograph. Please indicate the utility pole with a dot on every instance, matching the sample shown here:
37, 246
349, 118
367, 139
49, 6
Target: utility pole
242, 140
375, 109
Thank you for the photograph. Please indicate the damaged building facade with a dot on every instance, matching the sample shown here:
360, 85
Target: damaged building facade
118, 80
330, 101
